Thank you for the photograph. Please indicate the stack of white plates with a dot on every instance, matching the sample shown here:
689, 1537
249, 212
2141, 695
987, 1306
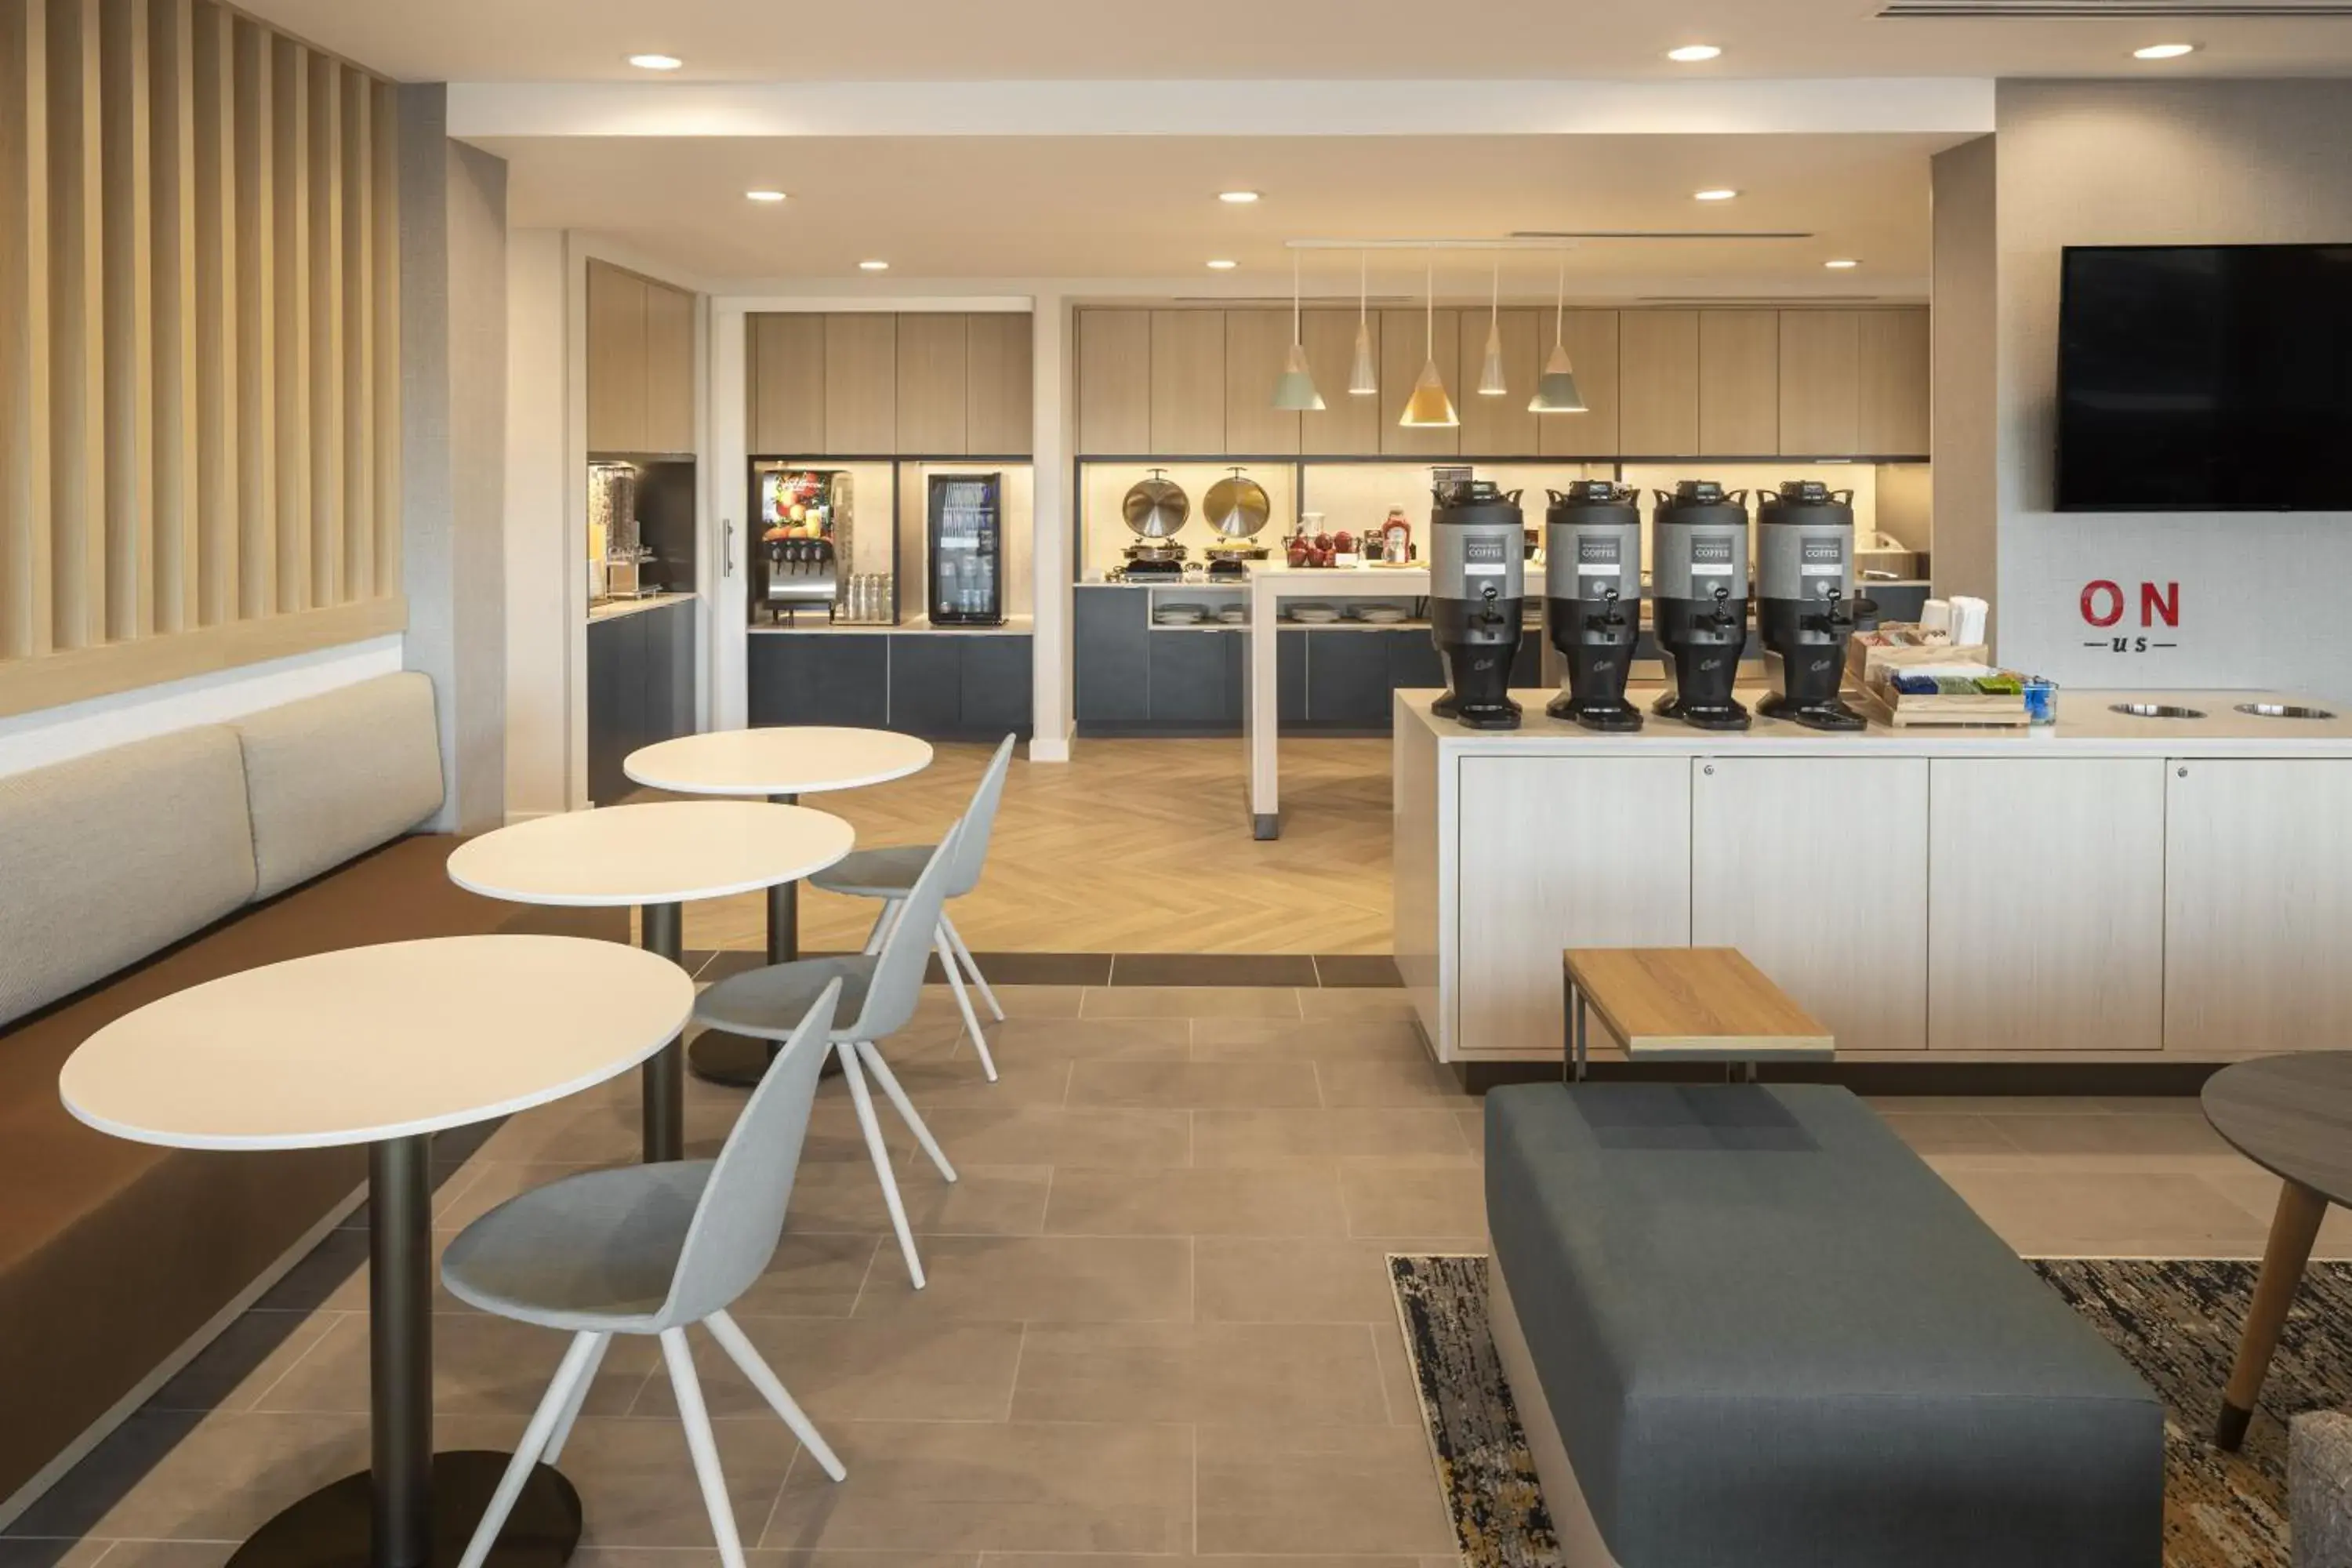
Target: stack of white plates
1180, 615
1313, 613
1377, 615
1234, 614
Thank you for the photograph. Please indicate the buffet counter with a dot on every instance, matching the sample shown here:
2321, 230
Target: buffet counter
2109, 887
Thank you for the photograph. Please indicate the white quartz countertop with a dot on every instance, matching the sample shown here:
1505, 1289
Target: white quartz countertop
2087, 726
614, 609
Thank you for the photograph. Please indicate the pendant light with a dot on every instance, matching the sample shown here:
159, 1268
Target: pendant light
1555, 393
1295, 387
1429, 409
1364, 378
1490, 377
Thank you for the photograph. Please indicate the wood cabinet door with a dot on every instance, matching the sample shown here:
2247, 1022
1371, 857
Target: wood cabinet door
669, 369
787, 392
2257, 896
616, 360
1591, 338
1349, 424
1738, 382
1000, 386
1657, 383
1845, 933
1891, 371
861, 382
1820, 386
1258, 344
1614, 871
1498, 426
1114, 382
1188, 384
2046, 883
934, 363
1406, 340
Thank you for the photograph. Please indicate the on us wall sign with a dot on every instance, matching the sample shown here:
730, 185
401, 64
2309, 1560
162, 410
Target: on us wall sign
2104, 605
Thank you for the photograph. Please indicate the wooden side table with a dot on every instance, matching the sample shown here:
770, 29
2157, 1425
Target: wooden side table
1684, 1005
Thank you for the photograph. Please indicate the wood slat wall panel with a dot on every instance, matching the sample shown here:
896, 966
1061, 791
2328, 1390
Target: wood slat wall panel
199, 369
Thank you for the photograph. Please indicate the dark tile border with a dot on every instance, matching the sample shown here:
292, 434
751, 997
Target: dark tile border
2183, 1079
1358, 970
1308, 972
1294, 968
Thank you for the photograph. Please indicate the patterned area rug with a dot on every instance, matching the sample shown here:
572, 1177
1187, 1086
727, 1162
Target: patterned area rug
2176, 1322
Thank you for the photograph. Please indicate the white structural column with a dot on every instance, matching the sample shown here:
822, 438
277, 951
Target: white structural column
1053, 553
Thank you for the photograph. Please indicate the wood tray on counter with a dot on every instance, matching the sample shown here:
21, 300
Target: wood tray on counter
1906, 710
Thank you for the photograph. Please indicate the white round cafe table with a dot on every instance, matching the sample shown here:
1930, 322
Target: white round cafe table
385, 1046
781, 763
655, 856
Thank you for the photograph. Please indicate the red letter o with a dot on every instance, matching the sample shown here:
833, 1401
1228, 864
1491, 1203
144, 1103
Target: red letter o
2115, 611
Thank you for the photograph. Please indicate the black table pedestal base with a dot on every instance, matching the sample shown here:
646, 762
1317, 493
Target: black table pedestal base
331, 1528
738, 1061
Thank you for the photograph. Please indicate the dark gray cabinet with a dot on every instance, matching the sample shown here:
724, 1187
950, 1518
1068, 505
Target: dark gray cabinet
1111, 649
999, 690
640, 690
942, 685
927, 684
1193, 678
1347, 678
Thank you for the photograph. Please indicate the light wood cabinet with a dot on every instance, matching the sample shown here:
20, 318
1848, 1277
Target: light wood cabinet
2257, 895
1851, 951
1892, 384
1114, 382
1591, 338
1349, 422
932, 371
1188, 383
1000, 386
1258, 344
1738, 382
1497, 426
786, 417
1406, 339
1614, 871
616, 360
1819, 385
669, 369
861, 382
1657, 383
2048, 894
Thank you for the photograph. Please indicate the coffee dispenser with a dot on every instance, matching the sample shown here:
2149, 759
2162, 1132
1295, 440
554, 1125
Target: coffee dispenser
1477, 584
1593, 599
1698, 540
1805, 608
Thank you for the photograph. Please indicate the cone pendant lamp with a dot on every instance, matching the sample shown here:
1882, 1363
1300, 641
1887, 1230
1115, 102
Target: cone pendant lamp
1295, 387
1429, 409
1364, 376
1556, 392
1491, 382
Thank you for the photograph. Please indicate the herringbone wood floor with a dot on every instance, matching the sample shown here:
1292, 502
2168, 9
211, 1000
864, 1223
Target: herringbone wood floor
1131, 847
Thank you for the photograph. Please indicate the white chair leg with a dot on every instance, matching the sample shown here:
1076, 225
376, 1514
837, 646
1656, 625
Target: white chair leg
905, 1106
771, 1388
963, 1001
562, 1433
973, 967
571, 1373
860, 1097
882, 924
702, 1446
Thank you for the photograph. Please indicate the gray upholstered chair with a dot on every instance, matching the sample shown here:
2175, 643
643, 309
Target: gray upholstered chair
881, 989
887, 873
648, 1249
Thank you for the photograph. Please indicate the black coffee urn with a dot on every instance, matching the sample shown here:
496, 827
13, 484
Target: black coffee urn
1477, 583
1698, 593
1593, 599
1805, 607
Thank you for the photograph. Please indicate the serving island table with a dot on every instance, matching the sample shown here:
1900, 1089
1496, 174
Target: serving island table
2111, 888
1268, 587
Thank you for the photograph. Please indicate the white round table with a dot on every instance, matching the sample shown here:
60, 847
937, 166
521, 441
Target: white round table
654, 855
781, 763
385, 1046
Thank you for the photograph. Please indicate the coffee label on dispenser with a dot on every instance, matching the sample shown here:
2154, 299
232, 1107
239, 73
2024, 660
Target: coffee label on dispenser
1484, 557
1822, 558
1710, 557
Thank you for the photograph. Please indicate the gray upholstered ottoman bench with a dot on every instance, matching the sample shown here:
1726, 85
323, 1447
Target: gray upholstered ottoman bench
1745, 1325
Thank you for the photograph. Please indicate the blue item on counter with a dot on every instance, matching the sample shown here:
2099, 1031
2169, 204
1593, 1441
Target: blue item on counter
1916, 685
2041, 700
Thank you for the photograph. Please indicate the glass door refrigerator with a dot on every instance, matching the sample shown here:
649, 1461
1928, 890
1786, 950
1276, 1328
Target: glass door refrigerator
967, 550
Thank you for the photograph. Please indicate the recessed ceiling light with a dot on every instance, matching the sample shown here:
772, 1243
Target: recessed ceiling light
1223, 265
1715, 196
763, 195
1841, 263
1238, 198
1691, 54
2164, 51
655, 62
873, 267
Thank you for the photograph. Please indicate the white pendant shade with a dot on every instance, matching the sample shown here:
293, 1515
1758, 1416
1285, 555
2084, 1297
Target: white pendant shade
1429, 407
1295, 388
1364, 377
1555, 393
1491, 383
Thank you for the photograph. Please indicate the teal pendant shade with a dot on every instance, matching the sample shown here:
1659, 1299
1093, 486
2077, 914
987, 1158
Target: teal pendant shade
1556, 392
1295, 387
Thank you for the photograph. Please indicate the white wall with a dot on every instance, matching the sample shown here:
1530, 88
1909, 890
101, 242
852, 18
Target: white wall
542, 585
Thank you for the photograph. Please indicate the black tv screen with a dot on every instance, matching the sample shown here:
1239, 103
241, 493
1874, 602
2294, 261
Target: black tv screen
2205, 378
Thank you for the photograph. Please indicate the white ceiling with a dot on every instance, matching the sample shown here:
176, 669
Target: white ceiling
1135, 208
908, 40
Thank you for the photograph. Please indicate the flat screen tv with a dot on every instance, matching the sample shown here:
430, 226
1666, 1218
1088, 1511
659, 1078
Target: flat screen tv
2205, 378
